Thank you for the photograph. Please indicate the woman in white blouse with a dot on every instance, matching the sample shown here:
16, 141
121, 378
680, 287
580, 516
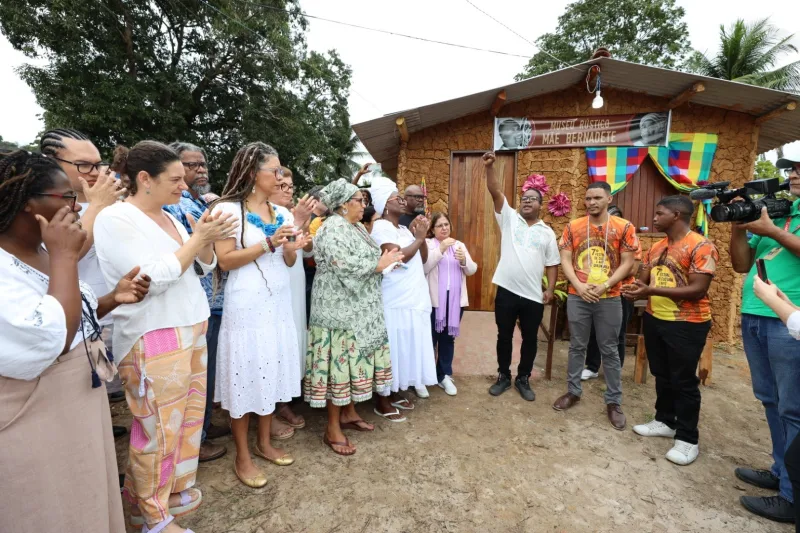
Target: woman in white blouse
55, 427
446, 268
160, 341
257, 362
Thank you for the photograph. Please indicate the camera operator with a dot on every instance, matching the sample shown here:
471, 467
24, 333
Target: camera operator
773, 355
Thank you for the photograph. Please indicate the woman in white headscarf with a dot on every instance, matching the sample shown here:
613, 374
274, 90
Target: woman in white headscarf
406, 298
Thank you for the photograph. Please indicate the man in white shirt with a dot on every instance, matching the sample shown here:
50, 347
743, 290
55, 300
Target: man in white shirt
528, 249
80, 160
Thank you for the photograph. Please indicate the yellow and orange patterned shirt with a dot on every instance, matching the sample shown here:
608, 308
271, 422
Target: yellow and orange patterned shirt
670, 266
597, 250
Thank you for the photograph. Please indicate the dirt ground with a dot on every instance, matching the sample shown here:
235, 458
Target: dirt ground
475, 463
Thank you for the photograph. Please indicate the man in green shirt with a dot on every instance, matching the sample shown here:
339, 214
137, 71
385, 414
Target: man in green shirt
773, 355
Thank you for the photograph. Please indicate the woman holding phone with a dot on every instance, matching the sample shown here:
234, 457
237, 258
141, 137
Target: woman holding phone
446, 270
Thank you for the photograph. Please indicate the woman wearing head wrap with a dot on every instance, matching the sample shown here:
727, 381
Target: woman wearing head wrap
406, 298
348, 350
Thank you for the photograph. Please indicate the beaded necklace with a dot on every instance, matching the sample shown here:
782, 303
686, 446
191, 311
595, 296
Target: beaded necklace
268, 229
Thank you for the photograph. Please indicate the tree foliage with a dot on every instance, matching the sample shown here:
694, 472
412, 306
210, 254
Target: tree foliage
765, 169
748, 54
218, 73
650, 32
7, 146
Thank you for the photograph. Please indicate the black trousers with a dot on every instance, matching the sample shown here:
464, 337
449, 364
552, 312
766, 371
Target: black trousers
508, 308
673, 351
593, 351
792, 462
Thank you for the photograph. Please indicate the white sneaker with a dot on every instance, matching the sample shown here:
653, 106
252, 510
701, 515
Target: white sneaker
422, 391
683, 453
588, 374
448, 386
654, 429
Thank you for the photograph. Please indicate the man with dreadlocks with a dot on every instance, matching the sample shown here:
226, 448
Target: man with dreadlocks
97, 189
193, 204
56, 428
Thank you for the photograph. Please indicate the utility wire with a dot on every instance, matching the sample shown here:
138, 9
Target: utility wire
560, 62
387, 32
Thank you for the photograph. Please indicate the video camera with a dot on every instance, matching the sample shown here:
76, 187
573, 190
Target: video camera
749, 210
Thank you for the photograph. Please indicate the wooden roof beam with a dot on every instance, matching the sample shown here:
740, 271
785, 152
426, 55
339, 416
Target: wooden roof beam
789, 106
403, 129
499, 102
686, 95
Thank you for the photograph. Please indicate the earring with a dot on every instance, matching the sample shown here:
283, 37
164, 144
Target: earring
344, 210
254, 190
147, 191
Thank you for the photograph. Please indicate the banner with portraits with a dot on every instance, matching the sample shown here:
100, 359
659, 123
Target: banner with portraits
523, 133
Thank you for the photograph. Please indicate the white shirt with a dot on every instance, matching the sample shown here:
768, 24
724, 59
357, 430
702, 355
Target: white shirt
524, 253
33, 326
794, 325
125, 237
403, 288
89, 272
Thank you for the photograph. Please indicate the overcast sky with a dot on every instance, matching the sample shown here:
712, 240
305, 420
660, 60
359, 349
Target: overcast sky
393, 73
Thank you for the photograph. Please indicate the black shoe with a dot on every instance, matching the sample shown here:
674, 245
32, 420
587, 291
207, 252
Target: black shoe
119, 431
524, 388
772, 508
763, 479
502, 385
215, 432
114, 397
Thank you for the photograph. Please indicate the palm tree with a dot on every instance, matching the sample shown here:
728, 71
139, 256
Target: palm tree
748, 54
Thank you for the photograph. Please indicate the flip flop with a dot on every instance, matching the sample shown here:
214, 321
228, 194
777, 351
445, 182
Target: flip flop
355, 426
186, 506
399, 404
331, 445
387, 415
286, 421
158, 528
287, 436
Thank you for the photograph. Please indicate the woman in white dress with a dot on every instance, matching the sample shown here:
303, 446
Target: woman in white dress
257, 363
406, 298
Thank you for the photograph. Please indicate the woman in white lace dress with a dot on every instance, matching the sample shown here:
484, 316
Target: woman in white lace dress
257, 360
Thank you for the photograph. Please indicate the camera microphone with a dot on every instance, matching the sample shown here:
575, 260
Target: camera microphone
703, 194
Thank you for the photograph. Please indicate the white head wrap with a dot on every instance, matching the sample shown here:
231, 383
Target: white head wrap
381, 189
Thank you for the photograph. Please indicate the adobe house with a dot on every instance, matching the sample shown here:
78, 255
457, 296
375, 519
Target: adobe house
443, 142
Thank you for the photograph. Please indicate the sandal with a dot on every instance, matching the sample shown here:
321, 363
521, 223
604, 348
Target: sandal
285, 436
404, 404
186, 506
331, 445
299, 425
387, 415
355, 425
158, 528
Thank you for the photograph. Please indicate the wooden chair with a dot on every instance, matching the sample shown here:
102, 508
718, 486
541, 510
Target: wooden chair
550, 332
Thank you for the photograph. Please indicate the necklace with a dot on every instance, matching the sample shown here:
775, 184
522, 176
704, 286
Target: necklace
268, 229
595, 270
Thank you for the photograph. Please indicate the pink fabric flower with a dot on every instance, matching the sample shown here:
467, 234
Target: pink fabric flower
537, 182
559, 205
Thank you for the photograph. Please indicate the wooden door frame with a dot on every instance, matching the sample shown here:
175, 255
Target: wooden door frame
511, 201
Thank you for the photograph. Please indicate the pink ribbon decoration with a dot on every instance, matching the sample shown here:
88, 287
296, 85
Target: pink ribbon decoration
537, 182
559, 205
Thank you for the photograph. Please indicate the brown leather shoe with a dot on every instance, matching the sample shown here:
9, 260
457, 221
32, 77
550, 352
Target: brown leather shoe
215, 432
210, 451
616, 416
566, 401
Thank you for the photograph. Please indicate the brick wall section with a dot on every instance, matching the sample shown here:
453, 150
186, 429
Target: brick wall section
427, 154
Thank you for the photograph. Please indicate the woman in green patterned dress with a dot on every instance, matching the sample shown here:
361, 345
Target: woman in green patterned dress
348, 347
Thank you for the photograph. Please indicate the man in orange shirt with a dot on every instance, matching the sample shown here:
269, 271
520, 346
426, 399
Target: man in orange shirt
676, 274
597, 253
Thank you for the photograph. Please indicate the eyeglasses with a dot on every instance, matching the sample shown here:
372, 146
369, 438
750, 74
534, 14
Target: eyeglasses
399, 199
285, 187
69, 196
788, 171
529, 199
416, 196
84, 168
191, 165
362, 200
277, 170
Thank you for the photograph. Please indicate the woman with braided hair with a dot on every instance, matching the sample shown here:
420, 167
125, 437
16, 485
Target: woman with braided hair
49, 331
161, 341
257, 362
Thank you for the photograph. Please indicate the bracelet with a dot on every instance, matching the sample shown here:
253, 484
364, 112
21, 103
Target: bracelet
265, 246
269, 243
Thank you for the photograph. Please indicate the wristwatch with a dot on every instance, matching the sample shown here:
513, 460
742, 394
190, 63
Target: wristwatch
606, 285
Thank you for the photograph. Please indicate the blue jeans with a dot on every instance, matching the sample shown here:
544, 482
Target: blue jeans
447, 346
774, 359
212, 335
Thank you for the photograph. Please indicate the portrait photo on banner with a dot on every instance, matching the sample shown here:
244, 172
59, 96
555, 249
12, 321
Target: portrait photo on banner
524, 133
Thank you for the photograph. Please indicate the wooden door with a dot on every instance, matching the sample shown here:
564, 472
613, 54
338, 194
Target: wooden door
472, 216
